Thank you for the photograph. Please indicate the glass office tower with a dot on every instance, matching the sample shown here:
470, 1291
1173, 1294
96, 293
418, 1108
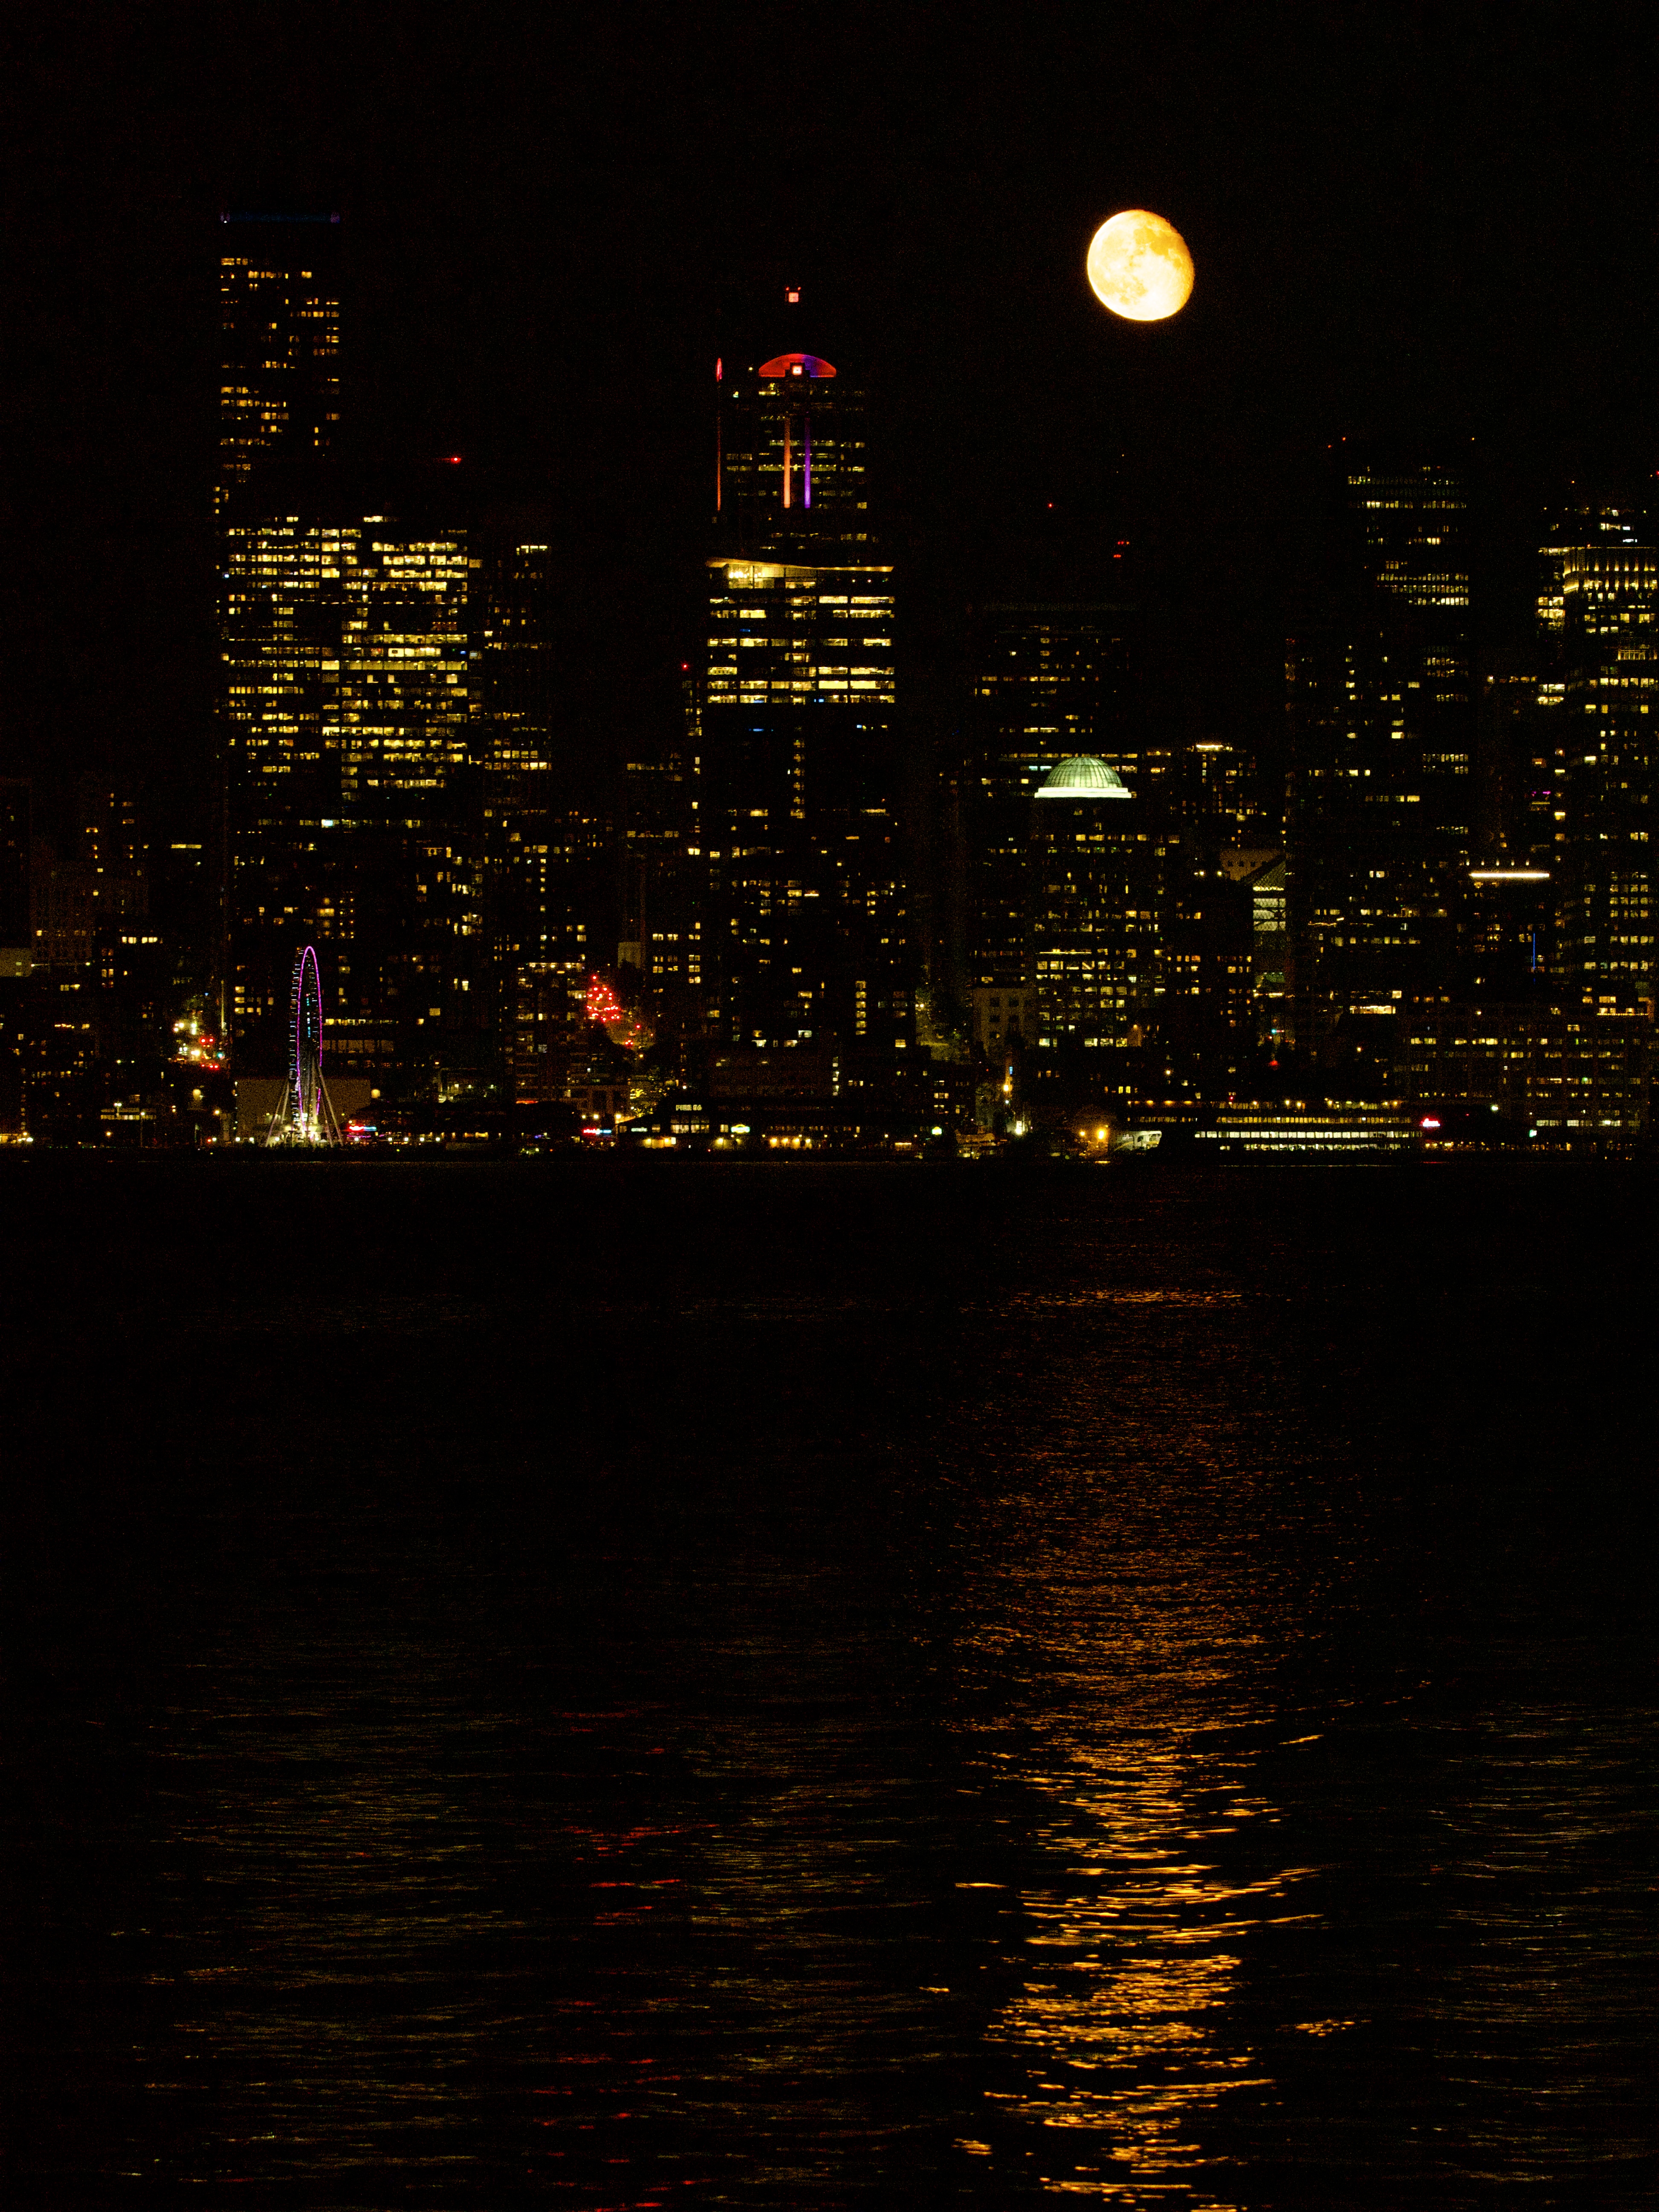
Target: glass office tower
801, 833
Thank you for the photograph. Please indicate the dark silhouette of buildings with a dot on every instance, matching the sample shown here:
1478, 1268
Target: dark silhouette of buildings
279, 327
1381, 804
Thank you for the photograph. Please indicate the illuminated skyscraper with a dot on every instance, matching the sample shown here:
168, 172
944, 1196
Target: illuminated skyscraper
1049, 682
806, 935
348, 695
390, 790
394, 796
1382, 799
1605, 714
279, 329
790, 468
801, 811
1098, 906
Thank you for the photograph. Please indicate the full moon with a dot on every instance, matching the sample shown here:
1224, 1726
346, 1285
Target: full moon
1139, 266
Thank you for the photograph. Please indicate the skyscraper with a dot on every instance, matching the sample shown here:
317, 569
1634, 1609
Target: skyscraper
16, 934
279, 329
1382, 815
1097, 908
546, 853
807, 940
1048, 682
790, 460
663, 864
389, 783
347, 694
1606, 706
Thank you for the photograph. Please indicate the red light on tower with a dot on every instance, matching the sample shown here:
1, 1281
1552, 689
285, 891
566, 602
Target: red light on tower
792, 294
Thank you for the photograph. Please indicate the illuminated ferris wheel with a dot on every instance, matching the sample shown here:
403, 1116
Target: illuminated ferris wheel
304, 1113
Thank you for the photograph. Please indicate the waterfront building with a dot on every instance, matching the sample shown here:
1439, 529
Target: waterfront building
1558, 1071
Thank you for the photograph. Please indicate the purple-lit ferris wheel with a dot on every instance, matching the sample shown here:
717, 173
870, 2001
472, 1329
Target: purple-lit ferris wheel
305, 1114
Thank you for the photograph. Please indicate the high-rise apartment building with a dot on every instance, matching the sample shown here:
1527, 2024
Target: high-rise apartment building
279, 329
1382, 795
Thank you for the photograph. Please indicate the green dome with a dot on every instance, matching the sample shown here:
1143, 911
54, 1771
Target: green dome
1083, 776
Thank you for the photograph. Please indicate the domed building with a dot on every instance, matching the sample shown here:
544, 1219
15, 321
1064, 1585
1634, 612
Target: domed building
1082, 776
1096, 911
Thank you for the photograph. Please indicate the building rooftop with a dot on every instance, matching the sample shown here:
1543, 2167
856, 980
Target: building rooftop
1083, 776
796, 364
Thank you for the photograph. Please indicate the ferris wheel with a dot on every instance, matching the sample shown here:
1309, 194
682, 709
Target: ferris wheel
304, 1113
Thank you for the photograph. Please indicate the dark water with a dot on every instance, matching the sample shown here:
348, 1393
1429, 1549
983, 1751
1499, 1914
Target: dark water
628, 1683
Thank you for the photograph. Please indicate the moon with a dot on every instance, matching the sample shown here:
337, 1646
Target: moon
1139, 267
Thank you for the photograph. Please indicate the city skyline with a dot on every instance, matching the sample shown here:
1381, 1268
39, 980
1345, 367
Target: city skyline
741, 682
527, 320
828, 973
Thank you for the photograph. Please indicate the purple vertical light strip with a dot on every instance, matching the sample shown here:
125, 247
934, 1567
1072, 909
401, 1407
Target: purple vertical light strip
296, 1063
805, 460
308, 959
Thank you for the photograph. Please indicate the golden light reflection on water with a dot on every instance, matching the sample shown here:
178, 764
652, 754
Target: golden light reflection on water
1131, 1962
1144, 1611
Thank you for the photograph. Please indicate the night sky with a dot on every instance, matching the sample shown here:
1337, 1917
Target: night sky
1426, 224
